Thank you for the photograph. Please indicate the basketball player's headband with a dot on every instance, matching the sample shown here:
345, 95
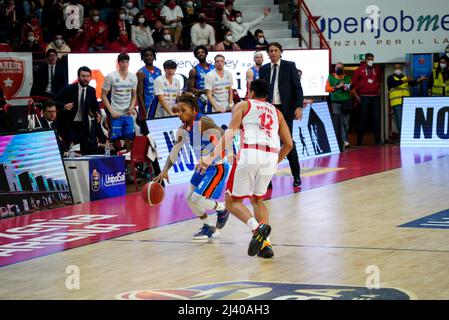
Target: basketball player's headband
257, 53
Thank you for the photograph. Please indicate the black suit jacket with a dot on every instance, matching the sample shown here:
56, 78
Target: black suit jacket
70, 94
45, 125
41, 80
289, 84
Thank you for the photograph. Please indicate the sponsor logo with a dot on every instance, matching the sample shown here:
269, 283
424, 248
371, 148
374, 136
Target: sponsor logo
249, 290
95, 180
12, 76
113, 180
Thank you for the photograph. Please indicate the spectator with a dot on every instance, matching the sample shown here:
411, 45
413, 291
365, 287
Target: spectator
119, 24
31, 45
96, 32
439, 79
158, 31
173, 15
78, 102
141, 32
50, 77
108, 10
78, 43
339, 87
228, 43
122, 86
8, 22
203, 33
123, 44
167, 88
32, 24
253, 72
59, 45
190, 18
166, 44
145, 87
261, 41
398, 86
218, 85
52, 19
367, 81
239, 28
197, 77
229, 11
131, 10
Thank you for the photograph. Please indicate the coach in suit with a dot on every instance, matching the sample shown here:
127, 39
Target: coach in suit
76, 103
51, 76
286, 95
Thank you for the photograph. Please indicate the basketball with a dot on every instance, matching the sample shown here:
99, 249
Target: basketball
153, 193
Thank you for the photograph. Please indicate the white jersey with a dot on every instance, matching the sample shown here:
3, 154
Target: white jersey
121, 90
260, 124
220, 87
170, 91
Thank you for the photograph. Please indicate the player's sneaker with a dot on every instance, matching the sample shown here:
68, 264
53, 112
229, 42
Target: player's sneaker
259, 236
266, 252
222, 218
206, 232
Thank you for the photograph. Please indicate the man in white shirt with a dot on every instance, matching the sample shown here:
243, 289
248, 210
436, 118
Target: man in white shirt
166, 89
123, 87
172, 13
239, 28
202, 33
219, 86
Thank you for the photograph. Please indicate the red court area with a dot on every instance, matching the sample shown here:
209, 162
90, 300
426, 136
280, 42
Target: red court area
41, 233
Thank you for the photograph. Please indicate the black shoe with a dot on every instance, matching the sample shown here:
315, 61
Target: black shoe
259, 236
266, 252
296, 182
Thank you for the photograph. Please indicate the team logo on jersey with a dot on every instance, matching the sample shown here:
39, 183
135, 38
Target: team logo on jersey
249, 290
12, 76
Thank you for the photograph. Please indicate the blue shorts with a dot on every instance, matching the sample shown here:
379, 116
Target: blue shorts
211, 183
204, 108
122, 127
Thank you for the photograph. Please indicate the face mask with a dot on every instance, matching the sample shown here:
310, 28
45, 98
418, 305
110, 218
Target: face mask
58, 43
339, 71
261, 40
370, 63
142, 20
31, 39
189, 4
122, 16
129, 5
443, 65
229, 38
167, 37
96, 18
238, 19
398, 72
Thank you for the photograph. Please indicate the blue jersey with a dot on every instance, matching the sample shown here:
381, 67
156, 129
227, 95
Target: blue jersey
201, 75
148, 90
255, 72
200, 145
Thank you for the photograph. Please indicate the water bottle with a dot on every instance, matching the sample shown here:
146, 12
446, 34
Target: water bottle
107, 149
71, 152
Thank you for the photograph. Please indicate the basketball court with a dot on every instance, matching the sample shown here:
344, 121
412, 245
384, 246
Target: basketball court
351, 232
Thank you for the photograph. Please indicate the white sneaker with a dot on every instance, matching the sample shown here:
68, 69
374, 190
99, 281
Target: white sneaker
347, 144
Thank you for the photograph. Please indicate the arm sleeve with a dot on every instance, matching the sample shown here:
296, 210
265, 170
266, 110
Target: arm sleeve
255, 22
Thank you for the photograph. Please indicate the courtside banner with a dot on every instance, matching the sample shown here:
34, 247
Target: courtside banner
314, 65
314, 136
425, 122
107, 177
16, 75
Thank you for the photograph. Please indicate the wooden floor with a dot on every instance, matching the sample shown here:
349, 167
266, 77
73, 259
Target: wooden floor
325, 236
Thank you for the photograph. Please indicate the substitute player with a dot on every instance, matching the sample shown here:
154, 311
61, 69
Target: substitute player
253, 72
205, 186
218, 86
145, 87
263, 128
